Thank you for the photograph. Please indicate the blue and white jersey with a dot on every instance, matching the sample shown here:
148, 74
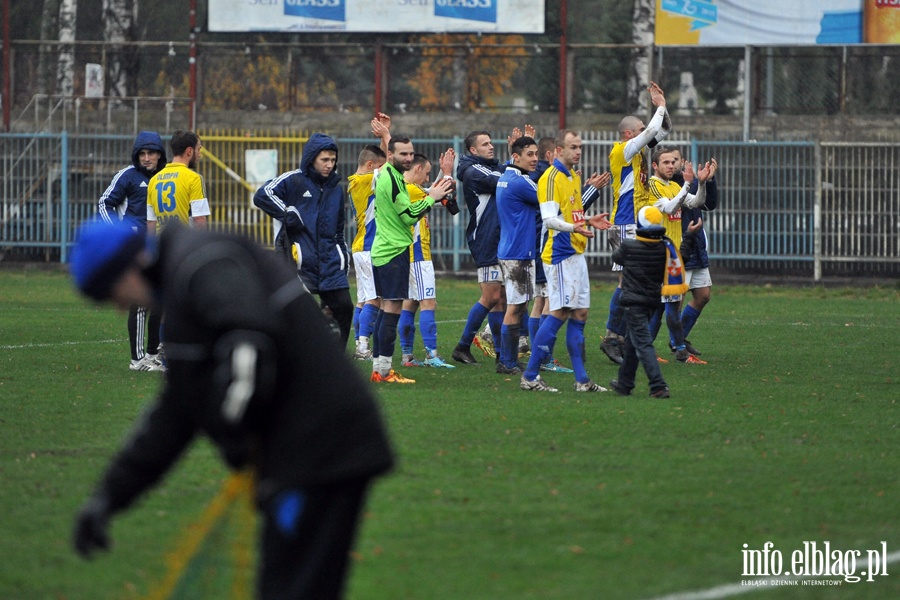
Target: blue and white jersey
479, 179
517, 207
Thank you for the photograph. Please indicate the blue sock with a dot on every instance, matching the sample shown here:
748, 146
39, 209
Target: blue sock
428, 329
407, 328
356, 311
552, 342
495, 322
534, 323
689, 316
575, 346
615, 323
387, 334
376, 328
509, 347
473, 323
367, 320
540, 347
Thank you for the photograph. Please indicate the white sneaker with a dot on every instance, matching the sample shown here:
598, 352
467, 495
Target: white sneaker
589, 386
538, 385
362, 350
157, 359
146, 364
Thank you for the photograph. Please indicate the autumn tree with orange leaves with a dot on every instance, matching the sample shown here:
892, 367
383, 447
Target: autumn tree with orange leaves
468, 72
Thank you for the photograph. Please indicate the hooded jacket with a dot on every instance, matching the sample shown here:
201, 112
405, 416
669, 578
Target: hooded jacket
309, 219
126, 195
479, 177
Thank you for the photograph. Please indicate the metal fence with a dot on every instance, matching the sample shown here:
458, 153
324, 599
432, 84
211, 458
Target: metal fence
809, 209
472, 73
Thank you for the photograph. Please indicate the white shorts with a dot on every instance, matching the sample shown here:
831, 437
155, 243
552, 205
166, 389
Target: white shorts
698, 278
491, 274
614, 237
421, 280
568, 284
540, 289
519, 275
365, 281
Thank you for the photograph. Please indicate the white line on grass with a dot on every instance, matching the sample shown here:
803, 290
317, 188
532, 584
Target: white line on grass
23, 346
734, 589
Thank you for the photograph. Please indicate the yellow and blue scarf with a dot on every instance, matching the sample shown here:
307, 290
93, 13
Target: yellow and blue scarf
674, 283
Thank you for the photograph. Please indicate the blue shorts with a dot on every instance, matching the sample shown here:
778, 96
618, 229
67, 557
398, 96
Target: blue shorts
392, 279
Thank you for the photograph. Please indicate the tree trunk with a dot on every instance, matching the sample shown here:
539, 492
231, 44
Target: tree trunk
119, 24
48, 32
65, 67
642, 33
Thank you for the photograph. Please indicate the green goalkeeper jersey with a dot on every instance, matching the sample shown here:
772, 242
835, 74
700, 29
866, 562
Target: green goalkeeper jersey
394, 216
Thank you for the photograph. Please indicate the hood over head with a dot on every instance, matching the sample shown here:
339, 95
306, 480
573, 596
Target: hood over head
316, 143
148, 140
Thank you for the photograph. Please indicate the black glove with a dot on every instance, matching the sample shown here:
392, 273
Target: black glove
90, 527
451, 204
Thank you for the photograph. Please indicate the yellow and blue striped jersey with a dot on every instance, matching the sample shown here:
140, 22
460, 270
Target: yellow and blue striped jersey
666, 190
176, 193
361, 189
629, 190
560, 190
420, 249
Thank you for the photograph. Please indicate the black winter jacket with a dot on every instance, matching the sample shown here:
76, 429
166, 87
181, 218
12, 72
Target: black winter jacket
311, 420
644, 267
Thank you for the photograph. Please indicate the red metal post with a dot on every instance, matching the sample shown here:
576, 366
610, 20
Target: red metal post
563, 62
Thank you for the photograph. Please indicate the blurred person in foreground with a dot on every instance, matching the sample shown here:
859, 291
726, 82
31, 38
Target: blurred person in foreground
253, 366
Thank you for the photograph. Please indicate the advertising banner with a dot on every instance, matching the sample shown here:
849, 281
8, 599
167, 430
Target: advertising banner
380, 16
776, 22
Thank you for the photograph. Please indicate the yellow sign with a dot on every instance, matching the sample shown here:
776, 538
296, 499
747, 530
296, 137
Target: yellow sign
881, 22
776, 22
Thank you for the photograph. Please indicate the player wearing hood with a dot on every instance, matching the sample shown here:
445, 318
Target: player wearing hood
126, 197
307, 206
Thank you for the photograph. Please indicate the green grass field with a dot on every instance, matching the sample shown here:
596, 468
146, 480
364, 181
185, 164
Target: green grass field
789, 435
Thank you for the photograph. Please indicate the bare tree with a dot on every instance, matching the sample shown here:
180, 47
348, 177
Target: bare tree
49, 14
642, 33
119, 21
65, 66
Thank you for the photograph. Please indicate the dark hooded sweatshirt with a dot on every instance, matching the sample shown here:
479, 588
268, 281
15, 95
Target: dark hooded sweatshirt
309, 219
126, 196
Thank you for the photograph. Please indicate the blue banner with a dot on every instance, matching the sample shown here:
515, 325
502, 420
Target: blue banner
473, 10
331, 10
702, 13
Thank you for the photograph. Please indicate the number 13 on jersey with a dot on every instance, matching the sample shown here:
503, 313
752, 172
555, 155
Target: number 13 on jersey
165, 197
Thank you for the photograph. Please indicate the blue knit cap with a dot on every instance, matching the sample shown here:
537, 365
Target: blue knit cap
103, 251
